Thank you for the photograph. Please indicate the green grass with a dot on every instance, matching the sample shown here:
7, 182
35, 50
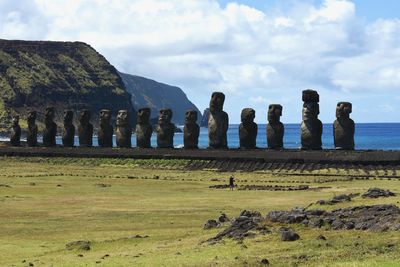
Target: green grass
67, 204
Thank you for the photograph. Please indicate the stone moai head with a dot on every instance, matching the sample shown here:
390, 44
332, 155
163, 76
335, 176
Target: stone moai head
190, 117
123, 117
68, 117
310, 96
310, 106
248, 115
105, 116
32, 116
49, 114
274, 113
84, 116
15, 120
165, 116
217, 102
343, 110
143, 116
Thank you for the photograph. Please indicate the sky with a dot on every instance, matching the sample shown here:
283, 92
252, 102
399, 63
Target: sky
256, 52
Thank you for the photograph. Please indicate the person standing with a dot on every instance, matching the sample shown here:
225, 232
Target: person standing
231, 182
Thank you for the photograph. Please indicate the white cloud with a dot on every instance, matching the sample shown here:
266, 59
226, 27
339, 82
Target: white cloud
258, 100
250, 54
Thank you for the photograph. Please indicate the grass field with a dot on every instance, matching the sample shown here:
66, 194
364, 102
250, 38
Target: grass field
46, 203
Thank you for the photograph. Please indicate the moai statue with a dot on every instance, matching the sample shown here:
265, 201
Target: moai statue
191, 130
311, 126
85, 129
124, 130
143, 128
248, 129
69, 129
105, 132
275, 128
15, 137
50, 130
165, 129
218, 122
31, 134
343, 127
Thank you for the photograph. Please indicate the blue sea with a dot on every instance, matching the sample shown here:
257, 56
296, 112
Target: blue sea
384, 136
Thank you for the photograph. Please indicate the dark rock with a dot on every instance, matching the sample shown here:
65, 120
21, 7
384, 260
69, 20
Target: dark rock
343, 127
241, 226
248, 129
321, 237
218, 122
265, 262
123, 132
275, 128
286, 216
377, 192
80, 244
15, 136
165, 129
69, 129
143, 128
337, 199
105, 131
191, 131
32, 131
210, 224
223, 218
374, 218
289, 235
311, 126
50, 131
85, 129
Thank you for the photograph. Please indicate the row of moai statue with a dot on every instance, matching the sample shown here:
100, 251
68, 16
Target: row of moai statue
165, 129
311, 126
218, 122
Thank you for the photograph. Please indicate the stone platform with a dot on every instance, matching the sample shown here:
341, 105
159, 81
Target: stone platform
357, 157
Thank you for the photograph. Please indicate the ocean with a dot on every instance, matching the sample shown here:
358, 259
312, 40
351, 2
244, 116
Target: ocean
383, 136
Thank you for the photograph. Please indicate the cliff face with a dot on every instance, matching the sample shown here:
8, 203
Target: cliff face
66, 75
155, 95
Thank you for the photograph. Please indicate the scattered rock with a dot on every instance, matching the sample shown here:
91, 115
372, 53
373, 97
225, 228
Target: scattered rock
337, 199
32, 184
103, 185
31, 264
241, 226
288, 234
266, 187
377, 192
274, 187
80, 244
59, 185
5, 185
223, 218
375, 218
105, 256
211, 224
321, 237
265, 262
219, 186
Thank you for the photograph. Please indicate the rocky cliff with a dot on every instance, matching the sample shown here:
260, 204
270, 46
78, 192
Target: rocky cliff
66, 75
156, 95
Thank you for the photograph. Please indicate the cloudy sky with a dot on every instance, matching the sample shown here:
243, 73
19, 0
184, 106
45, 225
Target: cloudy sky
256, 52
